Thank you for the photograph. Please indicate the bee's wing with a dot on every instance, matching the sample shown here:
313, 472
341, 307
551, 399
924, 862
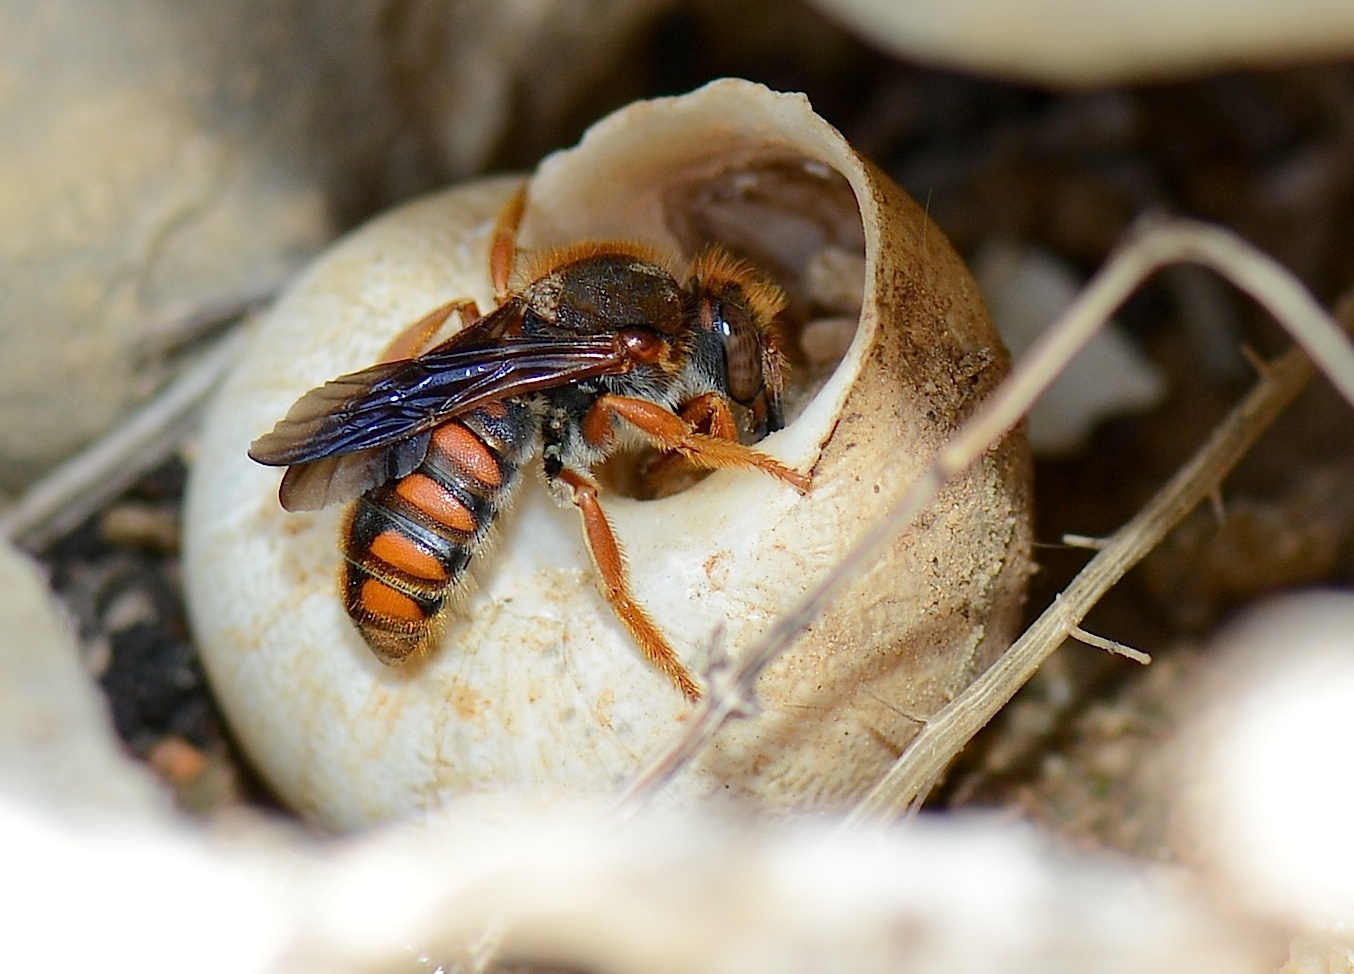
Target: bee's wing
366, 427
318, 483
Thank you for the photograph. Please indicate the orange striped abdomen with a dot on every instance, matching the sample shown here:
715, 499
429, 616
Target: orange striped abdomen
408, 542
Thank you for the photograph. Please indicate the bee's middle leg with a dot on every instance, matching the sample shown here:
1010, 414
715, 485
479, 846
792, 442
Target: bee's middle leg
609, 560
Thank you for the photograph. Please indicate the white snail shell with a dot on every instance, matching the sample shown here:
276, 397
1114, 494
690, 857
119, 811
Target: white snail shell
536, 688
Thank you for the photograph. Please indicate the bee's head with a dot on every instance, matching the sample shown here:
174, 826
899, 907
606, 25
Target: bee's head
737, 306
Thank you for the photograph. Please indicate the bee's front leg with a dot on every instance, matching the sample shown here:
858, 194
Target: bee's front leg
668, 431
709, 414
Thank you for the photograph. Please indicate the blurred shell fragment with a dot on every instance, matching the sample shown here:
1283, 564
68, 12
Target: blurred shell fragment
1067, 42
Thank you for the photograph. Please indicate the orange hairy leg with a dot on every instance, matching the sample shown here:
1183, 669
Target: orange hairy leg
708, 413
418, 337
503, 252
610, 562
668, 431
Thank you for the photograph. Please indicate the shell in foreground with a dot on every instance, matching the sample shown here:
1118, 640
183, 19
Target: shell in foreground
536, 689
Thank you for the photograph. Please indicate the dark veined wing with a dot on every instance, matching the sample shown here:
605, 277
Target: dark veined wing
366, 427
319, 483
385, 403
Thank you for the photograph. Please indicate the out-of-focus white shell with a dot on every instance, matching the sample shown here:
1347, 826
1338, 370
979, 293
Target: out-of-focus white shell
1113, 42
536, 687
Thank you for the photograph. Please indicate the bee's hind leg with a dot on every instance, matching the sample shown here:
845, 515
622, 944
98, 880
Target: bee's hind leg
420, 336
503, 252
416, 339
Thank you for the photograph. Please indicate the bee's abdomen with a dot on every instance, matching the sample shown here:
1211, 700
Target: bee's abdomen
408, 542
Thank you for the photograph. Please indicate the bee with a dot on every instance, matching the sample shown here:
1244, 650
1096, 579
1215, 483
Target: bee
601, 346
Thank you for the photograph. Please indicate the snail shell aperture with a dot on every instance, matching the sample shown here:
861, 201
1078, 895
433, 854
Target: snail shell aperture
536, 689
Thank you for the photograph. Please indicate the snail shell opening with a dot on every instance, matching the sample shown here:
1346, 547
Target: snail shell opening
536, 690
764, 178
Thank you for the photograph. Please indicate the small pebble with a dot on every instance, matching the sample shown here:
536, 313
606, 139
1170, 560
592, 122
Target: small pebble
134, 525
131, 607
177, 761
1026, 289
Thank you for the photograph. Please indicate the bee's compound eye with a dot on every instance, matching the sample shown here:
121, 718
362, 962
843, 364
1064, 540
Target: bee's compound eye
743, 350
643, 347
743, 355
